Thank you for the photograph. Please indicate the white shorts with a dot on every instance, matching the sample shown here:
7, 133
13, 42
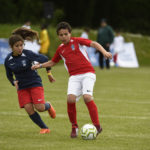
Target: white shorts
81, 84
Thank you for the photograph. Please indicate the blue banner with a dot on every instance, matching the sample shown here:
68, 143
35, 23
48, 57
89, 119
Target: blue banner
4, 50
93, 56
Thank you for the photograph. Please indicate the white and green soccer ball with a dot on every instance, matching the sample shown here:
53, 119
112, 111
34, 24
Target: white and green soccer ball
88, 132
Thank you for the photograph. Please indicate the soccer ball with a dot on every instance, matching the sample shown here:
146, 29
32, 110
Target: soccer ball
88, 132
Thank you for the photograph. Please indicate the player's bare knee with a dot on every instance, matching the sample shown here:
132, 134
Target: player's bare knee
29, 108
87, 98
71, 98
40, 107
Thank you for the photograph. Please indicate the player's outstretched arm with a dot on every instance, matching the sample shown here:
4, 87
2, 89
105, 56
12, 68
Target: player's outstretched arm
44, 65
98, 47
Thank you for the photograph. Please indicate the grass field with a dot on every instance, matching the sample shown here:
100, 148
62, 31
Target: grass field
123, 100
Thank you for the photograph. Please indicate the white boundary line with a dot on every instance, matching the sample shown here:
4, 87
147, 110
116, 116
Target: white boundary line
66, 116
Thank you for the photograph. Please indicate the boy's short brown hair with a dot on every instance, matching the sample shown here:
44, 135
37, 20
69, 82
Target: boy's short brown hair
63, 25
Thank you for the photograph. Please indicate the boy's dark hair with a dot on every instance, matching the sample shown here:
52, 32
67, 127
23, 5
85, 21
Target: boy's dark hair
63, 25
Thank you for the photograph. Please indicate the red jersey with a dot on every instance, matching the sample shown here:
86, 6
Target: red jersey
74, 55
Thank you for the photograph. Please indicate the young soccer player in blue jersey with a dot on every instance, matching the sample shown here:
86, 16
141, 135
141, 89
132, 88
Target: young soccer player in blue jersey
27, 82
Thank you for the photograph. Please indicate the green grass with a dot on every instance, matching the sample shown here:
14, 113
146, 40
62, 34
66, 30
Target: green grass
141, 42
123, 100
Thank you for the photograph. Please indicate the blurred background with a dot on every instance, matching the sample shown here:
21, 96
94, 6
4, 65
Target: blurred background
131, 17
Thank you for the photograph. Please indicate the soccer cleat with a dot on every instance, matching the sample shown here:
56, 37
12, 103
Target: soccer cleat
52, 112
74, 133
99, 131
43, 131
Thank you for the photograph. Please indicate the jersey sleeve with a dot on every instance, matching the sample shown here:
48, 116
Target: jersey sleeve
9, 73
83, 41
56, 57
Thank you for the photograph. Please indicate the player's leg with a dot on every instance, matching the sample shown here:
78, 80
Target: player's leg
72, 114
73, 91
93, 111
101, 63
35, 117
71, 109
107, 64
88, 85
107, 60
37, 94
46, 107
25, 101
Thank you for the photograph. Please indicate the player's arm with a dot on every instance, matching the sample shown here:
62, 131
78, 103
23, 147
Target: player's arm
49, 73
98, 47
10, 77
50, 63
41, 59
9, 74
50, 76
48, 69
43, 65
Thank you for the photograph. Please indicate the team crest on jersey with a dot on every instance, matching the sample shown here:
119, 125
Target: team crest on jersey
24, 63
73, 47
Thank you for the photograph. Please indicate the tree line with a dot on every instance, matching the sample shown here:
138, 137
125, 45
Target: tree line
129, 15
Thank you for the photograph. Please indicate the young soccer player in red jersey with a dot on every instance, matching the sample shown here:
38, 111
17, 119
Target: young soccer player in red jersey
27, 82
82, 74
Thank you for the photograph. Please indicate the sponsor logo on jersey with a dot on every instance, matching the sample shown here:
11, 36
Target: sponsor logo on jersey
73, 47
24, 63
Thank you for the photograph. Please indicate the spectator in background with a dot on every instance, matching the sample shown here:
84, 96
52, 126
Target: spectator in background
117, 45
44, 40
105, 38
31, 45
27, 24
85, 33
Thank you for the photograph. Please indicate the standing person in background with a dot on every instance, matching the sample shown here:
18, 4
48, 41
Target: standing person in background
117, 45
105, 38
27, 24
27, 82
31, 45
44, 40
85, 33
82, 74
